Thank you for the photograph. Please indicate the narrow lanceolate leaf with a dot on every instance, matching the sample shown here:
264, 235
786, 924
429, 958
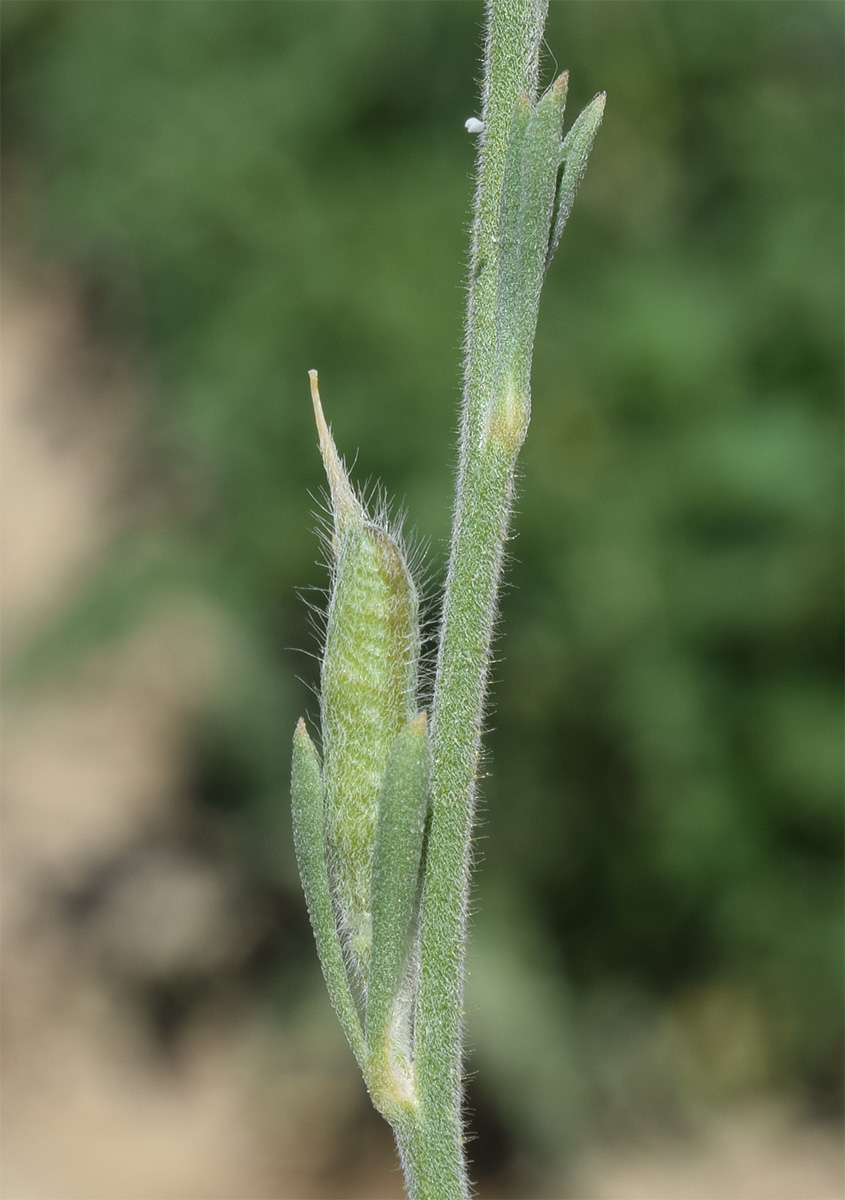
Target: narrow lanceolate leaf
576, 150
309, 841
403, 807
368, 690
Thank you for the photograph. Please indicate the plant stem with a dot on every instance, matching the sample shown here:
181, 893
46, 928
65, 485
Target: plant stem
431, 1144
372, 836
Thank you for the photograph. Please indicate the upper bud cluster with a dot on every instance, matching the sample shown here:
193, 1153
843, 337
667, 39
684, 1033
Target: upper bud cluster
542, 173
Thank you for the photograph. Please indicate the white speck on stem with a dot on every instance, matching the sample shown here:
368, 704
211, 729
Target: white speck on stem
473, 125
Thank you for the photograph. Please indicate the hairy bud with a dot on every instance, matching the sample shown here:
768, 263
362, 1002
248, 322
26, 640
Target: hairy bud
368, 689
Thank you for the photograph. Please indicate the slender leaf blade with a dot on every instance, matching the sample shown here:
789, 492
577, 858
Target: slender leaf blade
575, 152
309, 842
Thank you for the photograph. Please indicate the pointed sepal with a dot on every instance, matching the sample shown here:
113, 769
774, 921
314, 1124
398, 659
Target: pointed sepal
346, 508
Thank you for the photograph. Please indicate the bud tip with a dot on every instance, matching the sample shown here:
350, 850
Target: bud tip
344, 503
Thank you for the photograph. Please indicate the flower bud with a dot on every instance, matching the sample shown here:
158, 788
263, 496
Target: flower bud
368, 689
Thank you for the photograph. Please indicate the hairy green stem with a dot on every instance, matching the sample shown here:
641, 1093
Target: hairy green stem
433, 1156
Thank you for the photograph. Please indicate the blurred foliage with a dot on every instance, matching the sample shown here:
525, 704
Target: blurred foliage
252, 189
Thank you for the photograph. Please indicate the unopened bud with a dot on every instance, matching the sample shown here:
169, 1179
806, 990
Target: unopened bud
368, 688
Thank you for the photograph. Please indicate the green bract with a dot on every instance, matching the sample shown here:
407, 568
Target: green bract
395, 896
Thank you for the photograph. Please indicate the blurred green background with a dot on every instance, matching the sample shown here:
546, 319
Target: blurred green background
248, 190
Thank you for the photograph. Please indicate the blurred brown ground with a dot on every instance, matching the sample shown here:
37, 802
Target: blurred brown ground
93, 775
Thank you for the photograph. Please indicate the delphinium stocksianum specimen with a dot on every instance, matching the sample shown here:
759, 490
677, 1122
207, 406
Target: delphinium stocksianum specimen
383, 825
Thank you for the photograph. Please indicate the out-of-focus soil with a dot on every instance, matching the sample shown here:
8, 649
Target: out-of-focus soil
94, 776
759, 1152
